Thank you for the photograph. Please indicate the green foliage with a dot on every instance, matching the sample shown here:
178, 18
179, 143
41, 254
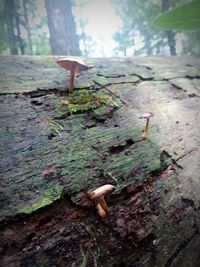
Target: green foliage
185, 17
81, 101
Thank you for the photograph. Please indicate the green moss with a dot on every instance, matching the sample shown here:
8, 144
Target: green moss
107, 137
102, 135
132, 79
79, 160
49, 196
35, 206
122, 166
100, 111
102, 80
81, 101
143, 159
53, 126
54, 192
85, 85
153, 165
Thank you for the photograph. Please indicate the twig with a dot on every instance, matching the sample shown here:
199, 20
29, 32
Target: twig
103, 86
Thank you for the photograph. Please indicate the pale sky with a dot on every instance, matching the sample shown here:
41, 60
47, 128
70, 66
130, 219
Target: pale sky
102, 24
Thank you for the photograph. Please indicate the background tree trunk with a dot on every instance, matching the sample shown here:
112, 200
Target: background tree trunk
30, 46
83, 36
61, 25
9, 10
170, 34
17, 23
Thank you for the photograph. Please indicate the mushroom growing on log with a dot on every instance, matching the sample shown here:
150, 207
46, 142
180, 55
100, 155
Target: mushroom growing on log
99, 196
147, 116
73, 66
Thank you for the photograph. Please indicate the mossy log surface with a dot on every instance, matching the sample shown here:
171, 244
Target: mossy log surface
46, 216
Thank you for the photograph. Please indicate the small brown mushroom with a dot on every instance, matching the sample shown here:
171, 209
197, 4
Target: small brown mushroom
73, 66
98, 195
147, 116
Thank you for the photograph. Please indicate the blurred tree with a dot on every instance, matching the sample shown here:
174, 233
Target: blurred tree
20, 41
27, 4
102, 49
137, 17
125, 40
62, 29
42, 45
170, 35
85, 41
9, 11
191, 44
3, 43
15, 19
83, 36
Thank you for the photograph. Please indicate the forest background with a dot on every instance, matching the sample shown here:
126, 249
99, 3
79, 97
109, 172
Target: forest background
91, 28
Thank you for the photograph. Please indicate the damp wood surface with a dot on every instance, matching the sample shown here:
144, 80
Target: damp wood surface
46, 217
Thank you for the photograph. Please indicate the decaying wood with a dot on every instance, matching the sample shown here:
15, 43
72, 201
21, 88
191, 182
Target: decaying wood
46, 215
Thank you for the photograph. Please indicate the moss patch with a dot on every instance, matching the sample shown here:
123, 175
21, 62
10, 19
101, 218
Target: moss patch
79, 161
143, 159
81, 101
49, 196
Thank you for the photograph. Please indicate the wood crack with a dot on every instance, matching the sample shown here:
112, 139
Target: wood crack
186, 154
181, 246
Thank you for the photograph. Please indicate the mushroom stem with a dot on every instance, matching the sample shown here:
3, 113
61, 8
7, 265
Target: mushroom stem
71, 81
102, 207
98, 196
145, 132
102, 213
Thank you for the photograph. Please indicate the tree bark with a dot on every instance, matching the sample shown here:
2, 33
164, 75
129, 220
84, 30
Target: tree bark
61, 25
170, 34
9, 13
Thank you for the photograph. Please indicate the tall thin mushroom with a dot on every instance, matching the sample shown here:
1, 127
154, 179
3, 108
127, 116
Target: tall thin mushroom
146, 116
73, 66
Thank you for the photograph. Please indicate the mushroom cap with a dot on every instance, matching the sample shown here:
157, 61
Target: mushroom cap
147, 115
104, 190
72, 64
